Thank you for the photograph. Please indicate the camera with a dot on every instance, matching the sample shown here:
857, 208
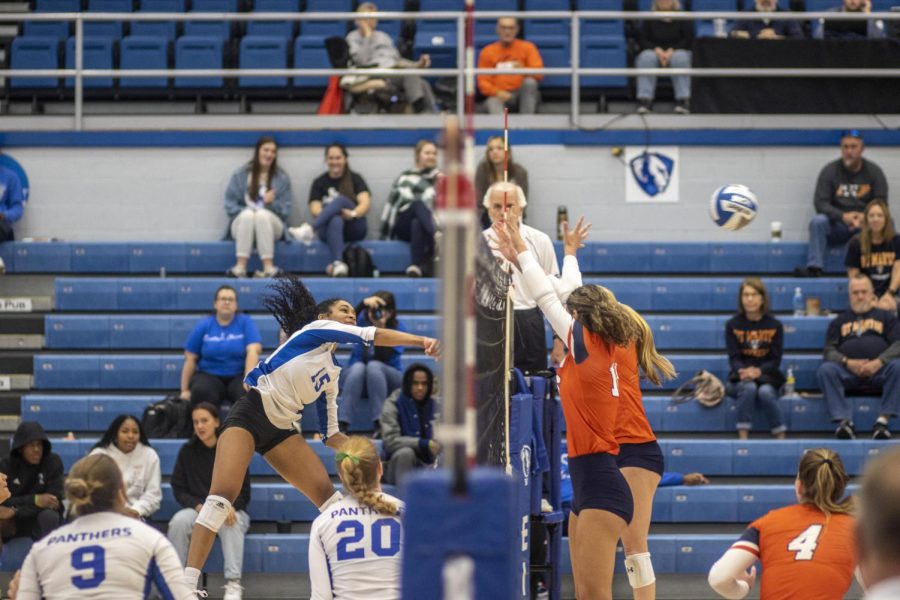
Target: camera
377, 314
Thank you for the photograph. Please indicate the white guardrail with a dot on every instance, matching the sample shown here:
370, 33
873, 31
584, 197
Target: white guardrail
460, 71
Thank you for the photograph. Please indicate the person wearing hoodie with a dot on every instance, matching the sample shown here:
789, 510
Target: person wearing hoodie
407, 421
127, 444
35, 478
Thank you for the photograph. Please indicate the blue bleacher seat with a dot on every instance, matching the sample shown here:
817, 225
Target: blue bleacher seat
195, 52
220, 29
166, 29
309, 53
883, 5
110, 29
438, 38
704, 27
274, 28
57, 414
144, 52
555, 52
58, 29
603, 52
98, 54
263, 53
542, 28
326, 29
34, 52
597, 27
41, 258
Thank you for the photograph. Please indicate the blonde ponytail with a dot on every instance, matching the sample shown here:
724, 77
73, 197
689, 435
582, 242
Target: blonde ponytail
824, 480
656, 367
357, 465
94, 484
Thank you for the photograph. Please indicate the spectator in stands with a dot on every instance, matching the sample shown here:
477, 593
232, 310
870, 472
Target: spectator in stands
373, 371
850, 30
408, 215
258, 201
845, 187
875, 252
766, 29
878, 526
372, 48
664, 43
807, 550
490, 171
407, 424
509, 53
862, 352
190, 484
755, 341
530, 344
377, 525
12, 205
221, 349
127, 444
34, 474
338, 202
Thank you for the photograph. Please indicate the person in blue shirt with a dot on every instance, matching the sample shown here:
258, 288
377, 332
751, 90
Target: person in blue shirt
373, 372
12, 205
221, 349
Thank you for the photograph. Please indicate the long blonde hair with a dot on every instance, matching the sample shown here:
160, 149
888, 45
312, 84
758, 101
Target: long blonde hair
357, 465
94, 485
655, 366
824, 480
600, 313
865, 234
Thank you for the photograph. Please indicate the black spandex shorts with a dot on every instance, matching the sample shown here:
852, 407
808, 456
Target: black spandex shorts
598, 483
647, 456
248, 413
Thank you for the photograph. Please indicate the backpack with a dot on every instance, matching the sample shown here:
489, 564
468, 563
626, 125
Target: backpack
169, 418
359, 261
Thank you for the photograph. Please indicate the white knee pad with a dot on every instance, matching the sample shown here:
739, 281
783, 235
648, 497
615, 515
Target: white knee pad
213, 513
335, 497
639, 569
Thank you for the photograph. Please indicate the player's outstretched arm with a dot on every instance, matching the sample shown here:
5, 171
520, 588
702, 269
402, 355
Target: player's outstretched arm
729, 577
393, 337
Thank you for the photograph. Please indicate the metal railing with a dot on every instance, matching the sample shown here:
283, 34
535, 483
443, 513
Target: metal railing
575, 70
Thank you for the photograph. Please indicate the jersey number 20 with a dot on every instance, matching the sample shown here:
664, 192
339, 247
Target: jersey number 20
356, 531
92, 558
805, 544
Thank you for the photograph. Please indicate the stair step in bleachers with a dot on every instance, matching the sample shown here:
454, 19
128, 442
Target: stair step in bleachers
289, 553
132, 372
660, 294
72, 450
85, 412
159, 332
393, 257
162, 371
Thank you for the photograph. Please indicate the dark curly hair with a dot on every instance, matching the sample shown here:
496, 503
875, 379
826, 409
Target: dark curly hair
293, 305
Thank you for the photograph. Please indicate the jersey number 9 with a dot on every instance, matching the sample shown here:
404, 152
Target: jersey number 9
93, 558
356, 532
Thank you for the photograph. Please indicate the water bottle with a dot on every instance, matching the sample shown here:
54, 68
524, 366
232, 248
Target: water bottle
790, 384
562, 215
798, 302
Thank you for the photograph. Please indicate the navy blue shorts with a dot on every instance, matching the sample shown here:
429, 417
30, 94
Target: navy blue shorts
647, 456
598, 483
248, 414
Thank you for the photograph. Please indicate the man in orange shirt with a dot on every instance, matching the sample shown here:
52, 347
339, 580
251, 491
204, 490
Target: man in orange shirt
510, 53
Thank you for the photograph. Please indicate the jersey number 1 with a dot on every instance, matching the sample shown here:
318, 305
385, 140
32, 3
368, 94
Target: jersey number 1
93, 558
614, 374
805, 544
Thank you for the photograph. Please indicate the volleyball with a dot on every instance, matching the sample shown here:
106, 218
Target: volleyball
733, 206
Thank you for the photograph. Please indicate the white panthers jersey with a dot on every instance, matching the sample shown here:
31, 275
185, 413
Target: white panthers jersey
354, 553
303, 370
103, 556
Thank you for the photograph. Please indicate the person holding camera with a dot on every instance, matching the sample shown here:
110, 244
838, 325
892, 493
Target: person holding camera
373, 372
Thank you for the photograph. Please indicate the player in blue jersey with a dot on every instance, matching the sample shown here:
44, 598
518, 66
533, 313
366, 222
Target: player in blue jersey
302, 371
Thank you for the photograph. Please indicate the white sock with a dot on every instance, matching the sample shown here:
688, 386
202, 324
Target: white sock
192, 577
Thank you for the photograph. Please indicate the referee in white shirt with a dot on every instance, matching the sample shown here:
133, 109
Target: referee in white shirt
530, 341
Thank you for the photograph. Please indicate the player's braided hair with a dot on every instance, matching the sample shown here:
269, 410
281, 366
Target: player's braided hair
656, 367
292, 305
824, 480
600, 313
357, 464
93, 484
